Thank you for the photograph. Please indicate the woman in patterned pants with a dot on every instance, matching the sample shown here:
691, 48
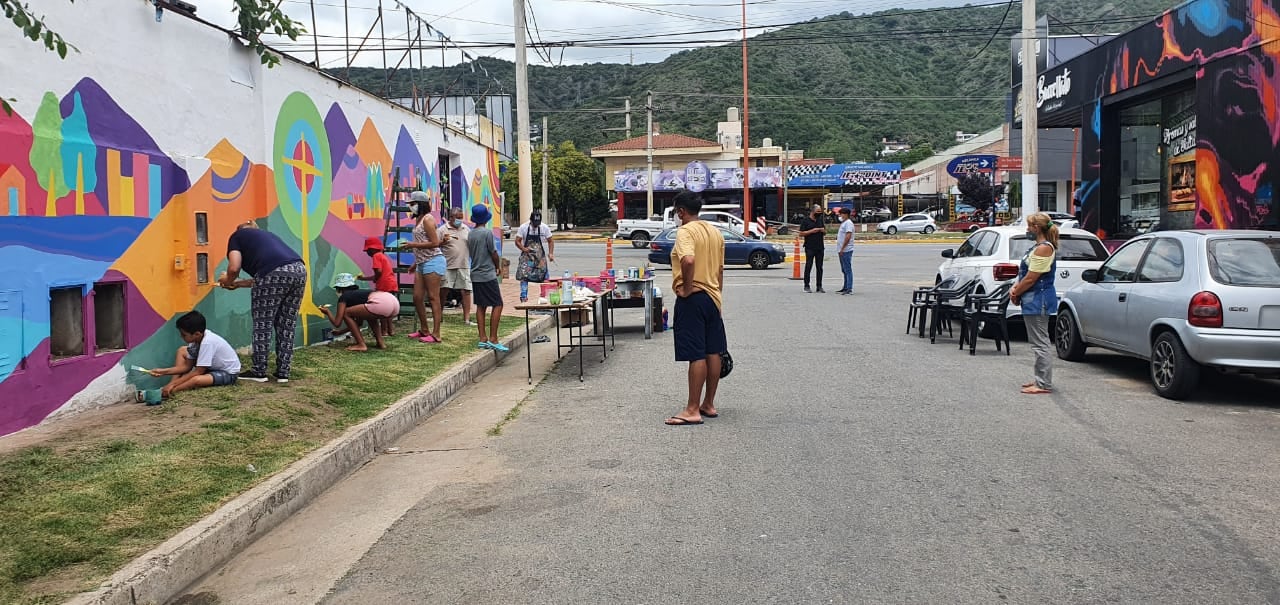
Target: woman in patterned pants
279, 280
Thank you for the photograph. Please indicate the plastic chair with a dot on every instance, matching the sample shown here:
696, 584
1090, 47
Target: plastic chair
990, 308
943, 309
921, 298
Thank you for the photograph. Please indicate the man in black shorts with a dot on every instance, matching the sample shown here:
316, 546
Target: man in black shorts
484, 278
697, 267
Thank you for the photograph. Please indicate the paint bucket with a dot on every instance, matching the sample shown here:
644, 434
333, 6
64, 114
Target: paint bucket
149, 396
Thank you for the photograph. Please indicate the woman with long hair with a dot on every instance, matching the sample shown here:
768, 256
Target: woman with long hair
429, 267
1035, 293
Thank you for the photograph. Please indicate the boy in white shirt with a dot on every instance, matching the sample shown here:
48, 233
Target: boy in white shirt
844, 249
207, 360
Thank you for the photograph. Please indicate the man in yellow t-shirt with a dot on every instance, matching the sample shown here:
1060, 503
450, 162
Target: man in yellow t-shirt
697, 264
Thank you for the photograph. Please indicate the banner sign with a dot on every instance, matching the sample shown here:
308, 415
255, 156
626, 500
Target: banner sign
1011, 163
845, 175
696, 177
969, 164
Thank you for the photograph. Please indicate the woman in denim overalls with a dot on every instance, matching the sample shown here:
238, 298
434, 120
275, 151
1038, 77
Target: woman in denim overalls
1034, 291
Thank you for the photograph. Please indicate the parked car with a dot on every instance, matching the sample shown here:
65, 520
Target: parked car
1058, 217
992, 254
506, 231
738, 250
641, 231
1184, 301
909, 223
876, 215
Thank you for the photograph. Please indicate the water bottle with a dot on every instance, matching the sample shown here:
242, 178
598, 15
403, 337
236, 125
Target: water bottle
566, 289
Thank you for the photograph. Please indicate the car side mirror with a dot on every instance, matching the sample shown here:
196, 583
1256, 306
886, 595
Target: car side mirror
948, 253
1090, 275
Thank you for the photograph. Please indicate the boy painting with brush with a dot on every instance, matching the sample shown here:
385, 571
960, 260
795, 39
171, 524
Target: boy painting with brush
207, 360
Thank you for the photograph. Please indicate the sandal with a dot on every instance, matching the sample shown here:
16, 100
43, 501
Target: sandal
429, 339
417, 335
1035, 390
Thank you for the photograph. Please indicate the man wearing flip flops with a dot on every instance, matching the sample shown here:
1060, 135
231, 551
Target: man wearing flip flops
697, 266
484, 278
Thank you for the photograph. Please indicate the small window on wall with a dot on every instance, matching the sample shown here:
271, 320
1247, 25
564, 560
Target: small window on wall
202, 268
108, 317
202, 228
1048, 198
66, 323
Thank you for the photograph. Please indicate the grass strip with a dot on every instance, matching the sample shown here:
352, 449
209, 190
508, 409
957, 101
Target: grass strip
75, 509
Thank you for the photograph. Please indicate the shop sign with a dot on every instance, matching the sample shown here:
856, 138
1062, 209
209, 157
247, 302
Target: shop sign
1053, 93
970, 164
696, 177
1011, 163
1181, 138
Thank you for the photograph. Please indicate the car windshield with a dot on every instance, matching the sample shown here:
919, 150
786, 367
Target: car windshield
1070, 247
1245, 261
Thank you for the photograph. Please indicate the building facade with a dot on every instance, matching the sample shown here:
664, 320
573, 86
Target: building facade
125, 167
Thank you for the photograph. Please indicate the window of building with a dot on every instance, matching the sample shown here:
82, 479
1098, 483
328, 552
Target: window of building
1048, 197
108, 317
202, 228
202, 268
66, 323
1141, 166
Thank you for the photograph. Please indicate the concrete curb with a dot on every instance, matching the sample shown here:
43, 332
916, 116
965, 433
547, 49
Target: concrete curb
167, 570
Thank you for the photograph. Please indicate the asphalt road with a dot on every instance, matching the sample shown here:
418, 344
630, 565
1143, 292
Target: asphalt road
851, 463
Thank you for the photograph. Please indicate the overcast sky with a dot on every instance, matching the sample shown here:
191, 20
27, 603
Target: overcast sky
558, 20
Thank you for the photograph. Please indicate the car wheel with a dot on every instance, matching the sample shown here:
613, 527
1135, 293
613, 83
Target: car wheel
928, 229
783, 231
758, 260
1173, 372
639, 239
973, 228
891, 230
1067, 340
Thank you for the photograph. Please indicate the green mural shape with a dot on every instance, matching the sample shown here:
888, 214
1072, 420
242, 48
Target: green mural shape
46, 148
303, 170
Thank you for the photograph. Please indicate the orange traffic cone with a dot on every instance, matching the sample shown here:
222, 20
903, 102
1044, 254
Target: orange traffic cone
795, 261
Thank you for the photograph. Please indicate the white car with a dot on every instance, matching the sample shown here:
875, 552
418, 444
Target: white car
992, 254
909, 223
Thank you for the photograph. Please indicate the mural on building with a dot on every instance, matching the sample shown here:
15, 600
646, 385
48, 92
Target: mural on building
1234, 47
92, 211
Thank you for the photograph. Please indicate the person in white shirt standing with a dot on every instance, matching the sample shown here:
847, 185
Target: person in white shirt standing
844, 249
458, 262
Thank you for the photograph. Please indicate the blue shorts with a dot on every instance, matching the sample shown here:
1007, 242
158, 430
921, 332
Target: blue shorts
699, 329
222, 379
436, 265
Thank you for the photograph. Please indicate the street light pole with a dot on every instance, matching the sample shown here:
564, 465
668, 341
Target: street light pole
543, 134
1030, 119
648, 110
523, 149
746, 138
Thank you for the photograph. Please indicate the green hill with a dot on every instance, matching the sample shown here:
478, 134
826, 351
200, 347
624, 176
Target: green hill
878, 66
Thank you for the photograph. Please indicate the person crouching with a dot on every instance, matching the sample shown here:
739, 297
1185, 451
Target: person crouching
356, 306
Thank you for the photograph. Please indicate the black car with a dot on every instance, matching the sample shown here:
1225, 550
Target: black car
737, 250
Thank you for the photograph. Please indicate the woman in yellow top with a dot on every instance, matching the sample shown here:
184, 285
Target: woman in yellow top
1035, 293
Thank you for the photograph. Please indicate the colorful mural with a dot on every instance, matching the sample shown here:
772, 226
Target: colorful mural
89, 202
1233, 50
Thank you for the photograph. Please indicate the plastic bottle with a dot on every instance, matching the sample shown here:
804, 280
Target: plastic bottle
566, 289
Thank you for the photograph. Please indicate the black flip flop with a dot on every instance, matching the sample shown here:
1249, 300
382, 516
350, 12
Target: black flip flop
682, 422
706, 415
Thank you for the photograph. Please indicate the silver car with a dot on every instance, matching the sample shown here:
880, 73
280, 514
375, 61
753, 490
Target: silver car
916, 222
1184, 300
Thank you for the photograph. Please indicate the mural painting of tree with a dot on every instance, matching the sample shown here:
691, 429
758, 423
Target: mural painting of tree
46, 152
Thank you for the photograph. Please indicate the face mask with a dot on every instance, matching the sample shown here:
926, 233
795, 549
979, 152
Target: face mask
1031, 235
457, 222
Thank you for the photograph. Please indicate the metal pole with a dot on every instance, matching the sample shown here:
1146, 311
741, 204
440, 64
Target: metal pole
786, 161
525, 149
346, 38
382, 29
648, 148
544, 168
315, 36
746, 138
1030, 119
1071, 189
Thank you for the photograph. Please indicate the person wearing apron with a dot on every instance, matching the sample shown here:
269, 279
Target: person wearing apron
536, 249
1035, 293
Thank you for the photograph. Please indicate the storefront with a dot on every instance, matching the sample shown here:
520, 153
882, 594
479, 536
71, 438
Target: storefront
1179, 120
717, 186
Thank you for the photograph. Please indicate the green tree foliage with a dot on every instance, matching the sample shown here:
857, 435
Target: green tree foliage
575, 186
917, 153
256, 17
884, 80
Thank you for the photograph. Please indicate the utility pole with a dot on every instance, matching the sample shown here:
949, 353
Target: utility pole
626, 111
544, 168
1030, 119
648, 148
786, 161
523, 149
746, 138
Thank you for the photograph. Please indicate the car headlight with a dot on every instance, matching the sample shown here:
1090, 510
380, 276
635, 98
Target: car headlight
778, 247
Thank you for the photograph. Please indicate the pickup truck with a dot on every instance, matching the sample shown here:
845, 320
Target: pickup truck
640, 231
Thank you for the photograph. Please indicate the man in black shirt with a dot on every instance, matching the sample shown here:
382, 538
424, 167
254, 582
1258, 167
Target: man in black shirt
813, 231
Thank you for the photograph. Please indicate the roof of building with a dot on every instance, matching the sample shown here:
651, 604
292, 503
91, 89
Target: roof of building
660, 141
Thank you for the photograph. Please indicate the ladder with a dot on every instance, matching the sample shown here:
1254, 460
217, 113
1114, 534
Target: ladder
398, 226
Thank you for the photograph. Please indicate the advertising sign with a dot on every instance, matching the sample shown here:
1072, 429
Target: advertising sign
696, 176
848, 175
1012, 163
969, 164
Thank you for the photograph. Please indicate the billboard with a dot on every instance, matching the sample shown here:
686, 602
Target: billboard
696, 177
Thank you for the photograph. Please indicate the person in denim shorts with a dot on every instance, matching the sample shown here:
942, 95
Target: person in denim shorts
206, 360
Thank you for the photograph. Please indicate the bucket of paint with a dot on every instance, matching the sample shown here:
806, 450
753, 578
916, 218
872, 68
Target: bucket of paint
149, 396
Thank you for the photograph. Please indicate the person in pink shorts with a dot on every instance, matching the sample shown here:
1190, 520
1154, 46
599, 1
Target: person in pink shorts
356, 306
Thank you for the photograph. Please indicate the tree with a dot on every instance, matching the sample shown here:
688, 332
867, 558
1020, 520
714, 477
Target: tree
917, 153
574, 186
976, 189
256, 17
